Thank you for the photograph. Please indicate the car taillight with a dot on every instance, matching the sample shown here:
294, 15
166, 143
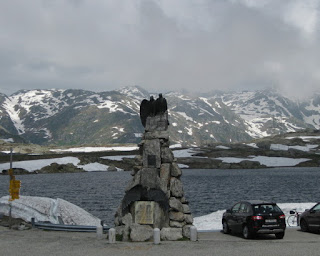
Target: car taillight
257, 217
282, 216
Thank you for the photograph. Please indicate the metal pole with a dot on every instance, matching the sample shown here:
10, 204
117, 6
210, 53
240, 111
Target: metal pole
10, 178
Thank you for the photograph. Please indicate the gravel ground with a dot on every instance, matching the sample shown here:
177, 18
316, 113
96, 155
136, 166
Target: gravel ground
37, 242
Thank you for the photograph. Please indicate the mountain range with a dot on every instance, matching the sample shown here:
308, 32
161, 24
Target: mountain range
76, 117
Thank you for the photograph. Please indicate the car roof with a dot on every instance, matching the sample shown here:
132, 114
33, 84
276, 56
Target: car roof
258, 202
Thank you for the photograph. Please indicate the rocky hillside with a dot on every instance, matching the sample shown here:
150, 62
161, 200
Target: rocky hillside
75, 117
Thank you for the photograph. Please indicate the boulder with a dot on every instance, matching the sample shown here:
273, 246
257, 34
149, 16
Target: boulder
166, 155
176, 187
171, 234
175, 170
141, 233
112, 168
176, 216
175, 204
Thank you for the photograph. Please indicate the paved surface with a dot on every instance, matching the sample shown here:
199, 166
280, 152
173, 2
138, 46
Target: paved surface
37, 242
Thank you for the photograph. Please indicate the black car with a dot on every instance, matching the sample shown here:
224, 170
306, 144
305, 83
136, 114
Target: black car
310, 219
254, 217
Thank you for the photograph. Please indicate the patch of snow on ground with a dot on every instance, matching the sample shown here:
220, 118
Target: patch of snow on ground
47, 209
213, 221
254, 145
183, 153
7, 140
92, 167
304, 138
186, 117
222, 147
32, 165
178, 145
96, 149
265, 160
286, 148
189, 130
183, 166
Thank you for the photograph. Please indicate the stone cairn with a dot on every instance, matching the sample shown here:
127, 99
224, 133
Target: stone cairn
154, 198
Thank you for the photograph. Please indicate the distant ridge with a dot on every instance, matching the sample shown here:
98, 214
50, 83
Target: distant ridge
75, 117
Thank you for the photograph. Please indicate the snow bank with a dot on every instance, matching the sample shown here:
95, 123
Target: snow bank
47, 209
33, 165
304, 138
213, 221
222, 147
267, 161
286, 148
95, 149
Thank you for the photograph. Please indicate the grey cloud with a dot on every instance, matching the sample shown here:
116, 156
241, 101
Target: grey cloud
160, 45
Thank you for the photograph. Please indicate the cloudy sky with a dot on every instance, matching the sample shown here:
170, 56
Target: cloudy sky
161, 45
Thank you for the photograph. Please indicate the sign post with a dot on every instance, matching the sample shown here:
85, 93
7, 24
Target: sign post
14, 189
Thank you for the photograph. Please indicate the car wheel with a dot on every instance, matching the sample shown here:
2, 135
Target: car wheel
304, 225
247, 234
225, 226
280, 235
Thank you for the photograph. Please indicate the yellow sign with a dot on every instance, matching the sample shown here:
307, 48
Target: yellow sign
14, 188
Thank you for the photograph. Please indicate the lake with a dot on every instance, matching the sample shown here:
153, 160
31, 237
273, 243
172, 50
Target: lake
206, 190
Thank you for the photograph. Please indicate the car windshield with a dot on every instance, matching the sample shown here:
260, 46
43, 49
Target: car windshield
266, 208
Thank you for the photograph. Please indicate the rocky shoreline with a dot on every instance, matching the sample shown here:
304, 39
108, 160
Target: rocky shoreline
302, 145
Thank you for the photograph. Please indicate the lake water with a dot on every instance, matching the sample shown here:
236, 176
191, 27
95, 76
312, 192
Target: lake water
207, 191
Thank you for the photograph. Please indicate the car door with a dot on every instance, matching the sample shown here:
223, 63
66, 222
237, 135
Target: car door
233, 220
314, 217
242, 216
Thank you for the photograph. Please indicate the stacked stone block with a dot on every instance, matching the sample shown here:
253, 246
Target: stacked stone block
156, 177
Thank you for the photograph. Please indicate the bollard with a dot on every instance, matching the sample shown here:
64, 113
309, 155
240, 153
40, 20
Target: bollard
112, 236
99, 231
193, 234
33, 222
156, 236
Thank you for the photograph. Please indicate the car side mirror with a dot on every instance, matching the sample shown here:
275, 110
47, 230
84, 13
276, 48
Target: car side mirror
307, 210
229, 211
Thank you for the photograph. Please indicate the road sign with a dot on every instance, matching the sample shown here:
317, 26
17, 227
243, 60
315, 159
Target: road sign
14, 188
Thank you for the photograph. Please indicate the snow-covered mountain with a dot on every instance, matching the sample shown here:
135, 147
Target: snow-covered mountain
73, 117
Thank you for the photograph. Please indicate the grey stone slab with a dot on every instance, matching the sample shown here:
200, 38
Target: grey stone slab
151, 148
157, 123
166, 155
164, 177
150, 178
186, 231
175, 170
162, 135
188, 218
141, 233
176, 187
136, 180
144, 212
176, 216
186, 208
176, 224
171, 234
175, 204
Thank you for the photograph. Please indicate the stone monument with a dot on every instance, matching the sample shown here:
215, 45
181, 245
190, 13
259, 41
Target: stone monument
154, 198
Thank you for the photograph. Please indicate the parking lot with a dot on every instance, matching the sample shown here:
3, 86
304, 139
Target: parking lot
37, 242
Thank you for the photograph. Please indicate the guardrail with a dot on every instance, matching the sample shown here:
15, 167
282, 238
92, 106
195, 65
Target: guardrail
62, 227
